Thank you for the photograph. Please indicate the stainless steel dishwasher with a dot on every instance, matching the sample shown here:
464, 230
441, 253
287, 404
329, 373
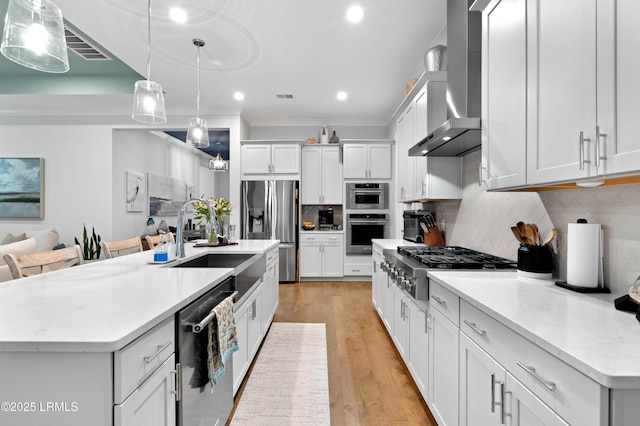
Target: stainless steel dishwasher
196, 403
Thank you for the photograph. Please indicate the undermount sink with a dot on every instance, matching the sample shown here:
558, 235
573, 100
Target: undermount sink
248, 268
215, 260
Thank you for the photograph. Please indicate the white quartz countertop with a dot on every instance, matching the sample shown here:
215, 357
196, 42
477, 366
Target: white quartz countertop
583, 330
103, 306
393, 243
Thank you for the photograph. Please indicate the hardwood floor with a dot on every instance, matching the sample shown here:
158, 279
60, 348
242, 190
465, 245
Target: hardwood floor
368, 381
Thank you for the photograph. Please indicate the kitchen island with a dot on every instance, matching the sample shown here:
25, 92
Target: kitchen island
66, 336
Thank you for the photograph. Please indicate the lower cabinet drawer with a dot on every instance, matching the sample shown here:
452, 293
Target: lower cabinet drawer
355, 269
445, 301
574, 396
139, 359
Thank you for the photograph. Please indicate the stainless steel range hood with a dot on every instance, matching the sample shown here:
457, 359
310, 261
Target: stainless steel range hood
460, 134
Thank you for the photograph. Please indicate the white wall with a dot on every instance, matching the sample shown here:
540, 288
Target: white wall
77, 172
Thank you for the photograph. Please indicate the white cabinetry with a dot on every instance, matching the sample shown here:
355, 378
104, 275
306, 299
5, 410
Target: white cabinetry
425, 110
270, 290
321, 181
321, 255
144, 383
504, 94
268, 160
378, 280
367, 160
401, 319
566, 101
443, 357
419, 346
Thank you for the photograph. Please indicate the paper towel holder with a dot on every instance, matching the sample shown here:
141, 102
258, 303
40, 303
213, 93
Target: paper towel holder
580, 289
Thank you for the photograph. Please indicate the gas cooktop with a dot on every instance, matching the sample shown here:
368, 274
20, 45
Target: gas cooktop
452, 257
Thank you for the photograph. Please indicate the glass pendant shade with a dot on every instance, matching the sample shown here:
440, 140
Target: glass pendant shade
198, 134
148, 99
218, 164
33, 36
148, 103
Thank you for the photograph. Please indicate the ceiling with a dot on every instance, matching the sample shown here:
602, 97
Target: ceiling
262, 48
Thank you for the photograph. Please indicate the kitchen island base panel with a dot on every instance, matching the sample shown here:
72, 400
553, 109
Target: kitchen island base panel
43, 389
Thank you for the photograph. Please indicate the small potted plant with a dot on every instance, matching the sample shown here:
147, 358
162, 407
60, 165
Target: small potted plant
90, 244
221, 208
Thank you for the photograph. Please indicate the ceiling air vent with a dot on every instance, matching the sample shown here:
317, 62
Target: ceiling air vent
83, 48
284, 96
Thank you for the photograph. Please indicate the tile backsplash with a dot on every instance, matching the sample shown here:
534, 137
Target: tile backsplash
482, 221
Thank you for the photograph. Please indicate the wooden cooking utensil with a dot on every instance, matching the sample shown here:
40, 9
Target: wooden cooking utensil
536, 234
550, 236
516, 233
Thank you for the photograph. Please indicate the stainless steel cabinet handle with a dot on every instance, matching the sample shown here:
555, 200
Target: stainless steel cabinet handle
549, 385
178, 373
503, 405
426, 323
475, 328
253, 310
493, 393
440, 301
581, 147
148, 359
598, 137
495, 382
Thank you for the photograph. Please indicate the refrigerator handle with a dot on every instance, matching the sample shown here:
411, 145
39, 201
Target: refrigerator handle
244, 232
274, 215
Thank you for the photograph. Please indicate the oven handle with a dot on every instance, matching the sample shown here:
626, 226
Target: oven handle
367, 222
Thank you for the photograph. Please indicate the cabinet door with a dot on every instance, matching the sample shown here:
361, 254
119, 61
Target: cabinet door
355, 162
419, 348
401, 330
153, 402
380, 161
482, 382
331, 176
310, 185
618, 62
443, 370
562, 77
402, 157
332, 257
310, 262
389, 303
525, 409
256, 159
285, 158
268, 297
241, 356
379, 283
254, 321
504, 95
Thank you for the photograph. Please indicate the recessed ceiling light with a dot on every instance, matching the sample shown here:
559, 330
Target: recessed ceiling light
355, 14
342, 96
446, 138
424, 151
238, 96
178, 15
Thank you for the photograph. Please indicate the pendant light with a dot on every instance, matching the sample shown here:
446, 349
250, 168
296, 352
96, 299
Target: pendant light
33, 36
198, 134
148, 100
218, 164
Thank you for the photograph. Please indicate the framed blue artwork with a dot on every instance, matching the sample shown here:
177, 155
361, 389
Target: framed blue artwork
22, 188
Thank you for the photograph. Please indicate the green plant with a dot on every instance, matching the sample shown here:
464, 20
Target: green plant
90, 245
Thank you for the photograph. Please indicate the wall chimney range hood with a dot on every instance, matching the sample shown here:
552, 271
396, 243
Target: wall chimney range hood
460, 134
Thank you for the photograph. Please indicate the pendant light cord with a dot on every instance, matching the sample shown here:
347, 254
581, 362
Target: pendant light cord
198, 77
149, 41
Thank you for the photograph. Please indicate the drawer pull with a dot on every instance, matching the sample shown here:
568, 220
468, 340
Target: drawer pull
549, 385
440, 301
475, 328
149, 359
178, 373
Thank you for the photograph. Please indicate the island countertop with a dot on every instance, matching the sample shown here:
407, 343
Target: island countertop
583, 330
103, 306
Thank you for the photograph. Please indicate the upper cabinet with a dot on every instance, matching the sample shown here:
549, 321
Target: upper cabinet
265, 160
321, 181
424, 178
558, 98
367, 160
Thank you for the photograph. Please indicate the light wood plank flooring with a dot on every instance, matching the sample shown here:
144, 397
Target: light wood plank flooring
368, 381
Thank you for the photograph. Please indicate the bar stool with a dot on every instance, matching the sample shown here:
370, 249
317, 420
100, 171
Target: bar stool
25, 265
121, 248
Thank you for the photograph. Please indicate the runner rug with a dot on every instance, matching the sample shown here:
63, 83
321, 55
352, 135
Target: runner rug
289, 384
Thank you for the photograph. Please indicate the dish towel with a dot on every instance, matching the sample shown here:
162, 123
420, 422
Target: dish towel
223, 339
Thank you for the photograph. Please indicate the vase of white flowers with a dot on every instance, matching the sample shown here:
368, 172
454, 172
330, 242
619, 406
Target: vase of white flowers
221, 209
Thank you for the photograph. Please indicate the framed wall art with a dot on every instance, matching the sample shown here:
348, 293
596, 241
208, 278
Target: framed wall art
136, 192
22, 188
166, 195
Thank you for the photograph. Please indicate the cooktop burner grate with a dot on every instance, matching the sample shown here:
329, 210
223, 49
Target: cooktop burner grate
452, 257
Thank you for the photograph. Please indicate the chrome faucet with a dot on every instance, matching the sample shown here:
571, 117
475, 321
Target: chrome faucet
180, 225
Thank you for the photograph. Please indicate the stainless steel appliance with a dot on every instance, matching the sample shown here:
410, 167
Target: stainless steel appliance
362, 228
412, 230
196, 404
460, 134
408, 265
269, 211
367, 195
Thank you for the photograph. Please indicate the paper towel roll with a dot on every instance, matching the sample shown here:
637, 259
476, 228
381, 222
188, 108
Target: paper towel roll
584, 255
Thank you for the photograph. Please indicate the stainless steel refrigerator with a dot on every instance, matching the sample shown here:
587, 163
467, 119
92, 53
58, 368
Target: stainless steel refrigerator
269, 211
